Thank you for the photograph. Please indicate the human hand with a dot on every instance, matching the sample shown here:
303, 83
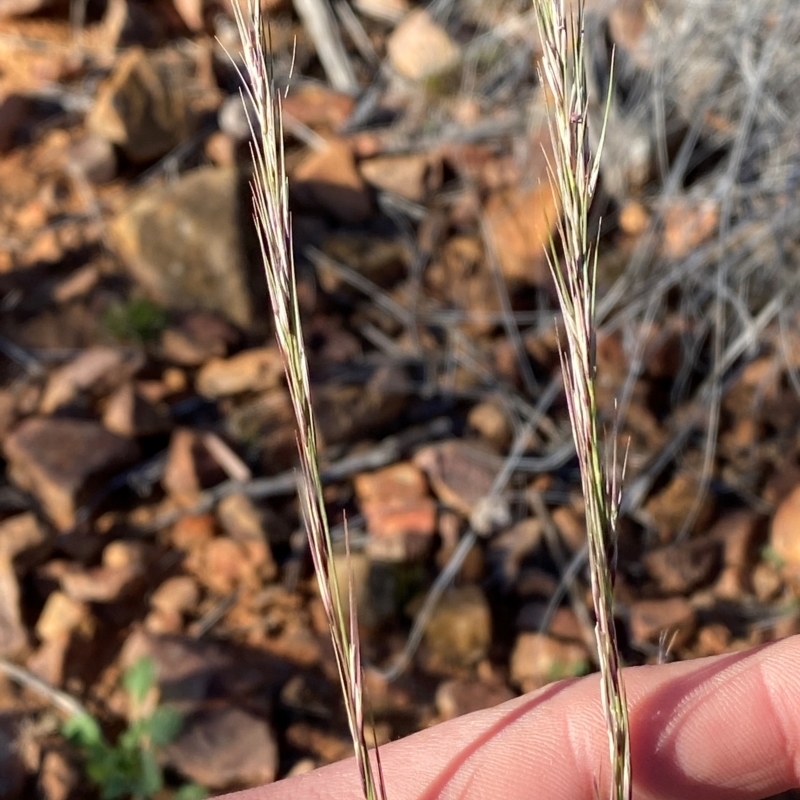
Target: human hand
721, 728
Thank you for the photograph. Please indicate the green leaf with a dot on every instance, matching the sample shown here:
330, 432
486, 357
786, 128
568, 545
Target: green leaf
84, 730
131, 739
191, 791
165, 724
150, 778
139, 679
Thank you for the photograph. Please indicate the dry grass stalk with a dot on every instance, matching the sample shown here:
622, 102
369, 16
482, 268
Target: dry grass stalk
271, 203
573, 173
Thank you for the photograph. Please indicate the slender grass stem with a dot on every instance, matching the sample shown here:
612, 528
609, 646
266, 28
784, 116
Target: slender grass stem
273, 224
573, 172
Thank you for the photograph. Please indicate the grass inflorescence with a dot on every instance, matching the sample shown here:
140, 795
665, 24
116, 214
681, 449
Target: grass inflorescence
573, 171
273, 224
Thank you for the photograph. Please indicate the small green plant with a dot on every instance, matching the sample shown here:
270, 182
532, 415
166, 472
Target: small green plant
129, 768
135, 321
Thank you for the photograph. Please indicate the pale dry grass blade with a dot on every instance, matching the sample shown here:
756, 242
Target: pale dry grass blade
273, 224
573, 172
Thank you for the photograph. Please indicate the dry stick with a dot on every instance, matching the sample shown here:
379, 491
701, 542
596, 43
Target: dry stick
320, 22
385, 452
352, 24
726, 191
61, 700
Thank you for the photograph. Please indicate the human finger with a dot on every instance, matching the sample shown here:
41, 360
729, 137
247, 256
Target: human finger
721, 728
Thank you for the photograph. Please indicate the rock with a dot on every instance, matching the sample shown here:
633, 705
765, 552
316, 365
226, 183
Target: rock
682, 567
268, 421
713, 640
327, 180
199, 337
94, 373
25, 540
400, 515
61, 616
519, 221
688, 225
123, 567
225, 748
93, 158
224, 566
383, 260
186, 668
634, 218
15, 109
491, 421
62, 461
253, 370
162, 622
563, 625
318, 106
333, 344
419, 49
13, 638
77, 284
172, 382
129, 414
190, 468
459, 632
48, 662
176, 595
572, 527
347, 412
191, 12
742, 535
508, 549
193, 531
142, 106
58, 778
127, 23
186, 242
627, 22
221, 150
674, 618
671, 507
767, 582
404, 176
461, 696
244, 523
785, 531
539, 659
460, 473
8, 411
324, 745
